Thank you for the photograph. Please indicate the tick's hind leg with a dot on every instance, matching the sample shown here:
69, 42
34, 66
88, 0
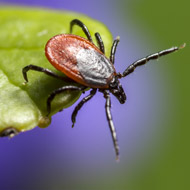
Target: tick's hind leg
144, 60
83, 26
81, 103
110, 122
58, 91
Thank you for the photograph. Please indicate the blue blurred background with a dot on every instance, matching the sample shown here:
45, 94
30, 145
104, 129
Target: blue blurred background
152, 127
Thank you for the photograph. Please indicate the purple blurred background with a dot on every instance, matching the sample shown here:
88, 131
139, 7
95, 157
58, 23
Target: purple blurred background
60, 157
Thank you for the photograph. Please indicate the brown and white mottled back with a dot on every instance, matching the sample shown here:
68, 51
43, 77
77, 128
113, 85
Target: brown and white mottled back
73, 54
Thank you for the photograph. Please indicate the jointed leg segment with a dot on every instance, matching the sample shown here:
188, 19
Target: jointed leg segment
144, 60
87, 33
58, 91
46, 71
113, 50
110, 122
100, 42
81, 103
83, 26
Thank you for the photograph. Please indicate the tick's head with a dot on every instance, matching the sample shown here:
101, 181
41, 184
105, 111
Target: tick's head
117, 90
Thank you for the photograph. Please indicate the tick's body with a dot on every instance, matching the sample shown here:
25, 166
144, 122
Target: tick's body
83, 62
80, 60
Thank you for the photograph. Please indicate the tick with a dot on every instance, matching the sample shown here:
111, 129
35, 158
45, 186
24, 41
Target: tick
85, 63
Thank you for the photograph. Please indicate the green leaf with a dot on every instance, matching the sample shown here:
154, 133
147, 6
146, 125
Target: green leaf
23, 35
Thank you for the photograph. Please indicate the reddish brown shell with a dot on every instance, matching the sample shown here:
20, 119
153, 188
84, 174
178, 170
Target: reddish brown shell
62, 52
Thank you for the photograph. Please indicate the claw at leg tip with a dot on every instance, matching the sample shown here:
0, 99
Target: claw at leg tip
182, 46
118, 38
24, 83
117, 158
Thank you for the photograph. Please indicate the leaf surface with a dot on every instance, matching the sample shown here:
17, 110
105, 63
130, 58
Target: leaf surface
23, 36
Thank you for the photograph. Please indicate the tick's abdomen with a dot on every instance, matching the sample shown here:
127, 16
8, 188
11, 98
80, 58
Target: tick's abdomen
80, 60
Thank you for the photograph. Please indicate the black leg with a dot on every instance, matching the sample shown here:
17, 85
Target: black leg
84, 28
113, 49
100, 42
81, 103
40, 69
144, 60
110, 121
58, 91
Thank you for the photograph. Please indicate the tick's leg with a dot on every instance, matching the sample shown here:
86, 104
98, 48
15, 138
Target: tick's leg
40, 69
58, 91
84, 28
81, 103
100, 42
144, 60
110, 121
113, 49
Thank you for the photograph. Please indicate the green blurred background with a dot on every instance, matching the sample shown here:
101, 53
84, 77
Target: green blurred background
162, 23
